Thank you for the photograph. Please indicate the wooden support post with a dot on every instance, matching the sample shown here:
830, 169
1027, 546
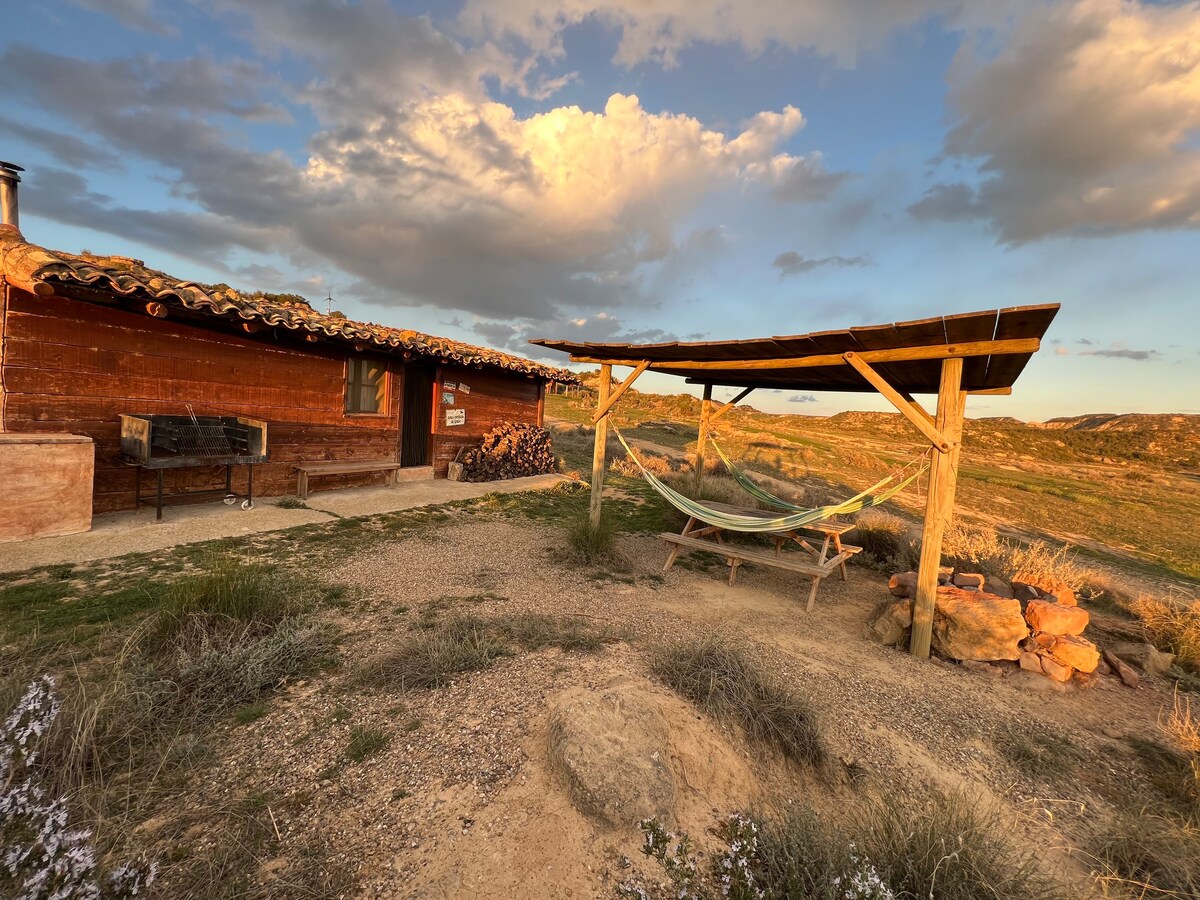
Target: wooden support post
702, 434
939, 504
600, 447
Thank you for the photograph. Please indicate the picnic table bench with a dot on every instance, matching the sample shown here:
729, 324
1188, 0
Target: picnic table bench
817, 562
355, 467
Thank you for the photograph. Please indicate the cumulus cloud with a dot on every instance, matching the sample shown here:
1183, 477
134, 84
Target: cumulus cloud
66, 148
657, 32
792, 263
1081, 123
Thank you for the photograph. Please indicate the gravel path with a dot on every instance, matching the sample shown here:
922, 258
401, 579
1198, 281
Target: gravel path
405, 822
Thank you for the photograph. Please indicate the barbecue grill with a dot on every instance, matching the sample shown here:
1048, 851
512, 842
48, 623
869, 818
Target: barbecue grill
158, 443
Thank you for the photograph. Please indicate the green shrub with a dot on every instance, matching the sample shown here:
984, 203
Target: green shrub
591, 544
885, 541
723, 681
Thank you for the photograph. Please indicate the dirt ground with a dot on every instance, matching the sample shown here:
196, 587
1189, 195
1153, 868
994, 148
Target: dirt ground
464, 803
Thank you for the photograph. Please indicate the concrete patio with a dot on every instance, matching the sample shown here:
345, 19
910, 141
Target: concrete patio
115, 534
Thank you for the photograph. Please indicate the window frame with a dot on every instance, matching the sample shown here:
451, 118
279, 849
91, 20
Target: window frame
384, 397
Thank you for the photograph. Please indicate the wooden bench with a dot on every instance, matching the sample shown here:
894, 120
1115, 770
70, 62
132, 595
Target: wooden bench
357, 467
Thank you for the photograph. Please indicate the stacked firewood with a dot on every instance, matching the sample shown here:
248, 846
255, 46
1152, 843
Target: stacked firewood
509, 451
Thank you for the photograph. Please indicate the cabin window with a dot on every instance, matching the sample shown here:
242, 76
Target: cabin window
366, 386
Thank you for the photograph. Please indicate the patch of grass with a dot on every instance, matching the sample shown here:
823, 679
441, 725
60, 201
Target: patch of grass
250, 713
365, 742
1039, 753
291, 503
592, 544
1172, 625
886, 542
943, 846
722, 680
434, 656
537, 631
1152, 852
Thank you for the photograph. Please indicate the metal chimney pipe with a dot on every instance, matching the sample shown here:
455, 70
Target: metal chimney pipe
10, 213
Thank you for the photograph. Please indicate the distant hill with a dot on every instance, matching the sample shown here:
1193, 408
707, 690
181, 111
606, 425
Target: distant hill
1124, 422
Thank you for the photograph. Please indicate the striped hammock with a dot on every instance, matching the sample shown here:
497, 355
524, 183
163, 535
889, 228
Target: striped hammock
872, 496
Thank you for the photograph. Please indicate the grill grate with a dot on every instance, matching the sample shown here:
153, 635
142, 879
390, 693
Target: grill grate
202, 440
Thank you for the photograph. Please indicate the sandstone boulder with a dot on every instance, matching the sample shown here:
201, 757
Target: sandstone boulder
968, 580
1054, 618
903, 584
1030, 662
1047, 587
1054, 670
975, 625
611, 748
997, 587
1025, 592
1076, 652
891, 622
944, 574
1124, 671
1145, 656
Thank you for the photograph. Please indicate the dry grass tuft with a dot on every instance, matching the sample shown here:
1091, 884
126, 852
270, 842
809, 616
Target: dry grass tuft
433, 657
885, 540
981, 549
723, 681
1173, 625
592, 544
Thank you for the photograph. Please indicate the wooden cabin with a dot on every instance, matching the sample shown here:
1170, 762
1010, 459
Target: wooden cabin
86, 339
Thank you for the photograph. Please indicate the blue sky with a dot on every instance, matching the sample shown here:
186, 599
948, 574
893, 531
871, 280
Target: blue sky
627, 170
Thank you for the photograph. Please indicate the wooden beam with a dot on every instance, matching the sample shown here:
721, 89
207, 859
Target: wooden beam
702, 435
720, 411
899, 354
617, 394
917, 407
600, 446
921, 420
995, 392
939, 505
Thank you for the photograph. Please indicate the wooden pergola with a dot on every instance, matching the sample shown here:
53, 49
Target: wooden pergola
949, 356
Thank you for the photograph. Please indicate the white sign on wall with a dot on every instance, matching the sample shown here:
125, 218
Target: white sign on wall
456, 416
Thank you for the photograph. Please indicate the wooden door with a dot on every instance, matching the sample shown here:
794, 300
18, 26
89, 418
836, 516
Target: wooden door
416, 425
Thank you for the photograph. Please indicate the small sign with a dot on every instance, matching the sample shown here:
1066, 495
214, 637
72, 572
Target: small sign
456, 416
447, 398
449, 385
464, 388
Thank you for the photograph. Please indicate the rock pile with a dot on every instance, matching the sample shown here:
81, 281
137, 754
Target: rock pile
1032, 620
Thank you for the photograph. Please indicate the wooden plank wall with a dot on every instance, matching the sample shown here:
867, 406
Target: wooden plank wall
495, 398
71, 366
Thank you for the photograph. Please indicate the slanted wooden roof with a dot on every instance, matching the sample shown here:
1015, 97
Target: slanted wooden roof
44, 272
994, 344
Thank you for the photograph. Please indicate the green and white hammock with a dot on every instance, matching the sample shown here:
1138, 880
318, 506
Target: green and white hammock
878, 493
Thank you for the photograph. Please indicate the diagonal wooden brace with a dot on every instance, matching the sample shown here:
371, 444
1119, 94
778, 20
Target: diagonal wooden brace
907, 407
606, 407
715, 414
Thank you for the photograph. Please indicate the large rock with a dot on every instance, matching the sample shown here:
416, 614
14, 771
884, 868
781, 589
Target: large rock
998, 587
903, 584
968, 580
611, 747
1054, 618
1054, 670
1047, 587
891, 622
1076, 652
975, 625
1127, 673
1145, 656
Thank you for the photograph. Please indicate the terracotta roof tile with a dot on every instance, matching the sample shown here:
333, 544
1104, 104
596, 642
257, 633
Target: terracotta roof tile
37, 269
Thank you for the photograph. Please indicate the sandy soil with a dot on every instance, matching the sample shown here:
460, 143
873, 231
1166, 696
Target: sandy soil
464, 803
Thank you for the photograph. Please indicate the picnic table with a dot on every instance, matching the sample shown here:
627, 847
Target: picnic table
816, 538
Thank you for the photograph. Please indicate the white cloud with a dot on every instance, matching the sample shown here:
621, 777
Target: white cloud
657, 30
1083, 122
